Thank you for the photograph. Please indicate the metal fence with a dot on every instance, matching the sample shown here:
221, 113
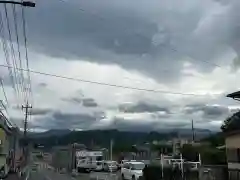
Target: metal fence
203, 173
213, 172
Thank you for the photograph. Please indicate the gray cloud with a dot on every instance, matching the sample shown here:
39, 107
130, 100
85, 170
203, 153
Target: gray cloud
40, 111
86, 102
140, 125
60, 120
42, 84
74, 100
142, 107
135, 35
89, 102
152, 37
209, 111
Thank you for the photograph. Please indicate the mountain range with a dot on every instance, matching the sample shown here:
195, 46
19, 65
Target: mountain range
103, 137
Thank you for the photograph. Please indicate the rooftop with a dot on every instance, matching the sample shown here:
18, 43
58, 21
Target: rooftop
135, 162
235, 95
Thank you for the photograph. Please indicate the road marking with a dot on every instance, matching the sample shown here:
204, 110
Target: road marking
27, 176
48, 177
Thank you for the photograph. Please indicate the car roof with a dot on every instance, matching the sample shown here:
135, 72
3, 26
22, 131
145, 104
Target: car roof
135, 162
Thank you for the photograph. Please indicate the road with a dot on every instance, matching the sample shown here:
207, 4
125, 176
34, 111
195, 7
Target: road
45, 174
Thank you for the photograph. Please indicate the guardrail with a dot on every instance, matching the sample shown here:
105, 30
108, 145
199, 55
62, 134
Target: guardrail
102, 176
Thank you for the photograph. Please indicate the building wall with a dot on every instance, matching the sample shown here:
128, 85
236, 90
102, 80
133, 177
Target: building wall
233, 156
233, 141
4, 142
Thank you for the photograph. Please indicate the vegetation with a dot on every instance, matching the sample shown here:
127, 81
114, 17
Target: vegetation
122, 140
231, 123
209, 155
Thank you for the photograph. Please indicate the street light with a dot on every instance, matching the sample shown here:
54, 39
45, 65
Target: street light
23, 3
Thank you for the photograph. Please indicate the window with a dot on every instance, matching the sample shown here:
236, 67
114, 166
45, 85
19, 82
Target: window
233, 155
138, 166
126, 166
234, 175
99, 158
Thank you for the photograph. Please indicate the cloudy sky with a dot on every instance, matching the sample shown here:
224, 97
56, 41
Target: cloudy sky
186, 51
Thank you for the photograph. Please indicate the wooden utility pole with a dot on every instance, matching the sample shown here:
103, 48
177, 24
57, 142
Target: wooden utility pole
25, 146
27, 107
193, 132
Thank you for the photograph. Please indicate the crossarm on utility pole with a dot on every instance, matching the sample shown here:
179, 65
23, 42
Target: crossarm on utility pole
24, 3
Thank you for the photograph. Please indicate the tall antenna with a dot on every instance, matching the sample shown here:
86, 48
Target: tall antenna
193, 132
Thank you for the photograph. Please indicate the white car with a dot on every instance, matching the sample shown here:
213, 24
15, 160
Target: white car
110, 166
132, 170
121, 163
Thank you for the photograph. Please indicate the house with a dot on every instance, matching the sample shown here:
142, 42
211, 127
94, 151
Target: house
232, 145
231, 128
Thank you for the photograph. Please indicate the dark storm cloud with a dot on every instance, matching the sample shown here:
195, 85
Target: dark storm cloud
126, 125
42, 85
89, 102
142, 107
40, 111
74, 100
209, 111
86, 102
62, 120
148, 37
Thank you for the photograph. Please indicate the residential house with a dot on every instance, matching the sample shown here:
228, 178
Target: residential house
232, 144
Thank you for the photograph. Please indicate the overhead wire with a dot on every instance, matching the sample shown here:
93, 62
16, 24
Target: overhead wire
15, 20
29, 88
107, 84
7, 56
3, 90
12, 52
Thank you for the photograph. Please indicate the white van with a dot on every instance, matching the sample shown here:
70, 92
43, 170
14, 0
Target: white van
132, 170
89, 160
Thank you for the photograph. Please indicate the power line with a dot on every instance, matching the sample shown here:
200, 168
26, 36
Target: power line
18, 48
6, 55
26, 52
12, 49
4, 92
105, 84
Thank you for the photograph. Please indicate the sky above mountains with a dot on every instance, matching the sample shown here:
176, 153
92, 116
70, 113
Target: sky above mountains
187, 50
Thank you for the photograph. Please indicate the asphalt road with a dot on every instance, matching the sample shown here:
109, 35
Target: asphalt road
45, 174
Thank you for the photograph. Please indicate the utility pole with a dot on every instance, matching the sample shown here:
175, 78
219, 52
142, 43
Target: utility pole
25, 147
193, 132
27, 107
111, 147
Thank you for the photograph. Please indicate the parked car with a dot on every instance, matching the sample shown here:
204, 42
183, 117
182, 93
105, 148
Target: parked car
120, 165
74, 173
110, 166
132, 170
63, 170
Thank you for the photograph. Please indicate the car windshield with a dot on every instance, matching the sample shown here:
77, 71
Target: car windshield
138, 166
111, 163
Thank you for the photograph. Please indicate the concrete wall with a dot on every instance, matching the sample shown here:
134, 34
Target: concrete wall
4, 142
233, 141
213, 172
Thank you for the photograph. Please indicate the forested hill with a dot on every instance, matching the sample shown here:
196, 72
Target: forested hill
103, 137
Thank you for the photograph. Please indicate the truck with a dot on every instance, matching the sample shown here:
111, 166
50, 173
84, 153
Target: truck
89, 160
